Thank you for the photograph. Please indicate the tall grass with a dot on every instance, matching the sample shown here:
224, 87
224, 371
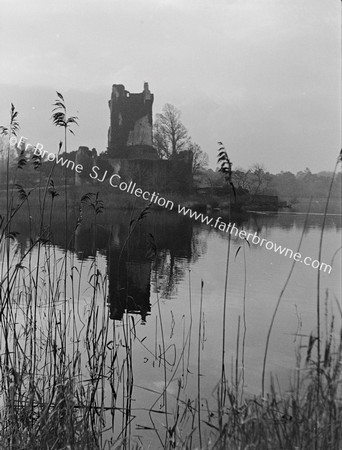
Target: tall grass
68, 372
226, 169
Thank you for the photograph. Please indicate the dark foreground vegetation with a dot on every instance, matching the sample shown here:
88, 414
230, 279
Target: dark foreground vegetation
67, 378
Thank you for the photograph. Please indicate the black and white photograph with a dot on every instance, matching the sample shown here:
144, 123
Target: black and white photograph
170, 225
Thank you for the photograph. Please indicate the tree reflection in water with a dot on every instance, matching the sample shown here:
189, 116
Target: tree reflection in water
158, 253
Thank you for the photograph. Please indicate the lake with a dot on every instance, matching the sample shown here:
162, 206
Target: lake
162, 282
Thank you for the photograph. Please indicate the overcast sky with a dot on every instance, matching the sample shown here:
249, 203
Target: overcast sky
262, 76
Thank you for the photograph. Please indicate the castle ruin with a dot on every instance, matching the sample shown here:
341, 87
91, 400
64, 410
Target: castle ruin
130, 131
130, 150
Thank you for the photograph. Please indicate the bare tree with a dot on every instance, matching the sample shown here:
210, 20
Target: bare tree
160, 142
260, 179
200, 159
241, 179
256, 180
170, 135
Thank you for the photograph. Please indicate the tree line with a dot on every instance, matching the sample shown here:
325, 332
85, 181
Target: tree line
170, 138
258, 181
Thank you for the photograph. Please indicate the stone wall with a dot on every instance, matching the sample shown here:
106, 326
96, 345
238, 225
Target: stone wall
174, 175
130, 120
88, 159
130, 152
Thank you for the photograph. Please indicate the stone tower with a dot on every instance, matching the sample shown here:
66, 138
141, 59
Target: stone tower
130, 121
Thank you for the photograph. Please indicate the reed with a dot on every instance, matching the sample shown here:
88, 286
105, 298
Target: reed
67, 370
226, 169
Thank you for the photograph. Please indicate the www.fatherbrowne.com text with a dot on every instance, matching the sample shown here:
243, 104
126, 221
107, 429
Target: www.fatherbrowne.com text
114, 181
253, 238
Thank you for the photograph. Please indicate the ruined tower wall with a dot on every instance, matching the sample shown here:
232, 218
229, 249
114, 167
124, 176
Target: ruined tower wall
87, 158
130, 120
173, 175
130, 152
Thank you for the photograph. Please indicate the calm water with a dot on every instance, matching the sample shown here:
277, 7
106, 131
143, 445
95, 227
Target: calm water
168, 256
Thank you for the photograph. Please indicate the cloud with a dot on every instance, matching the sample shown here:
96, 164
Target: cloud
259, 74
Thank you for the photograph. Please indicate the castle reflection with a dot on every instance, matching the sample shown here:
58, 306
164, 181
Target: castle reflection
158, 248
153, 257
129, 270
160, 244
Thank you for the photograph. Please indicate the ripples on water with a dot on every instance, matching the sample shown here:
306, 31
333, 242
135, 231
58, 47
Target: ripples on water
166, 258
